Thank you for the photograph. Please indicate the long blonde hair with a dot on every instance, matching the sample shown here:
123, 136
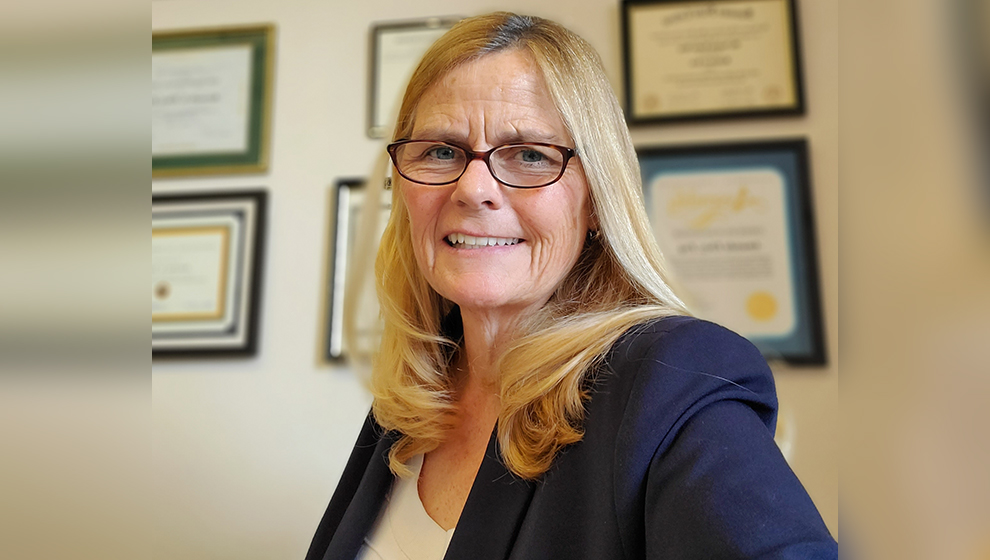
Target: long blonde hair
617, 282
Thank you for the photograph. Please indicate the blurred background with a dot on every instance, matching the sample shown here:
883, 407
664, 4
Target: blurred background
248, 452
915, 276
238, 458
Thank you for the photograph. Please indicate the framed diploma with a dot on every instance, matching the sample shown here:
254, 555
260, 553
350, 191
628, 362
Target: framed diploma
689, 60
736, 225
211, 100
350, 205
206, 262
396, 49
972, 42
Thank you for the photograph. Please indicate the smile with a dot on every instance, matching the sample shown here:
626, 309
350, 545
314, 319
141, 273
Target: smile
462, 241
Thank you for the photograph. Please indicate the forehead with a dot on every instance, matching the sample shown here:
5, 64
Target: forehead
500, 97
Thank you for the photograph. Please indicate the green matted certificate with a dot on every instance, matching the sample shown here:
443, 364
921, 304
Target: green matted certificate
211, 100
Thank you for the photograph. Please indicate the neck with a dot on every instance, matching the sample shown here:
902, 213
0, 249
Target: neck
485, 337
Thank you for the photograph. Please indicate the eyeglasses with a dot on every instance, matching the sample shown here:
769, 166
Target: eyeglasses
523, 166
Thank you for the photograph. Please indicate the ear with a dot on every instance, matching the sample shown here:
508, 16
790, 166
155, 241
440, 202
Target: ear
593, 224
593, 230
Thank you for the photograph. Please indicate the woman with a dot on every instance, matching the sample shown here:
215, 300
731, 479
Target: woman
540, 392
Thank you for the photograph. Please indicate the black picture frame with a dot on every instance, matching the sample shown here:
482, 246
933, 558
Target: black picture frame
347, 211
389, 64
971, 45
738, 233
738, 98
230, 328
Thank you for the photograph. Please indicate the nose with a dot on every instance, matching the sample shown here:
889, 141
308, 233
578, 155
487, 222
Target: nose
477, 187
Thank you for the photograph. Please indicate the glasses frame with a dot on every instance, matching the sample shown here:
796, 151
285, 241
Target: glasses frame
566, 152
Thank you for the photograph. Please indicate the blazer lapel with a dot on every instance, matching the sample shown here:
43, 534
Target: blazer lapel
493, 513
365, 505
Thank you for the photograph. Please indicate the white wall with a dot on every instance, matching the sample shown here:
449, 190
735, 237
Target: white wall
247, 452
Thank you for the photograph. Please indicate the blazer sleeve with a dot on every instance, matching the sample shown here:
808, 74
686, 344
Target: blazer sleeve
723, 490
717, 486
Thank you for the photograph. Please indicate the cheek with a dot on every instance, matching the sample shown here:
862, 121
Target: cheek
423, 208
576, 213
577, 226
419, 206
562, 226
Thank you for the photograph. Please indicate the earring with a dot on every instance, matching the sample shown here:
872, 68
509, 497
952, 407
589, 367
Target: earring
592, 234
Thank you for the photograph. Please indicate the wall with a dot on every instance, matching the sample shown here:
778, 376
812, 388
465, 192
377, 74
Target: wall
247, 452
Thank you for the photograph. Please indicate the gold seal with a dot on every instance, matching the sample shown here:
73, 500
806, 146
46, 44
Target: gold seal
761, 306
651, 102
772, 94
162, 290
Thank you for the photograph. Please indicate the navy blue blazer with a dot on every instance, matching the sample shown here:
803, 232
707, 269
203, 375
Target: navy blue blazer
678, 461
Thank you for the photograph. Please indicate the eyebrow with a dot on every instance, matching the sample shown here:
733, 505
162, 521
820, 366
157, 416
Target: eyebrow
507, 137
433, 135
528, 135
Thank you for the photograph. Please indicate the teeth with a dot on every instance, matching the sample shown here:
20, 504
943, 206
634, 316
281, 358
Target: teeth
470, 241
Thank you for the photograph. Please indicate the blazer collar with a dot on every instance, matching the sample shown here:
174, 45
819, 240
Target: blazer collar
487, 528
494, 511
365, 505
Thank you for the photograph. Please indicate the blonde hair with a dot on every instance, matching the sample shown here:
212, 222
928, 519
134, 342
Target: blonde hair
618, 281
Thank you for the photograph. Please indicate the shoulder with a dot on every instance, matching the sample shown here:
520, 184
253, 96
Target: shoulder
660, 373
688, 352
658, 377
689, 345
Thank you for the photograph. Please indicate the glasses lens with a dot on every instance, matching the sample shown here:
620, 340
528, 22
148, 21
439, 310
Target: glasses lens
430, 162
527, 165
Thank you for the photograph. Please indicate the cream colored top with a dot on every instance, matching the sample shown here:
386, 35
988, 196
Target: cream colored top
403, 530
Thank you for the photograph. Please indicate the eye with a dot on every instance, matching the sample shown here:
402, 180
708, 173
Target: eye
442, 152
531, 156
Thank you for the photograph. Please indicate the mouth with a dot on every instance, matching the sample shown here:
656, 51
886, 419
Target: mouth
464, 241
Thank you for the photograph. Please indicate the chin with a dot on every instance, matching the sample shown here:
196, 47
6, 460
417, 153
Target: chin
476, 302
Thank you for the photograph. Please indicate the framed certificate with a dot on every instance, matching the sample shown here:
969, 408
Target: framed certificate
689, 60
972, 46
736, 225
346, 230
206, 262
211, 100
396, 49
